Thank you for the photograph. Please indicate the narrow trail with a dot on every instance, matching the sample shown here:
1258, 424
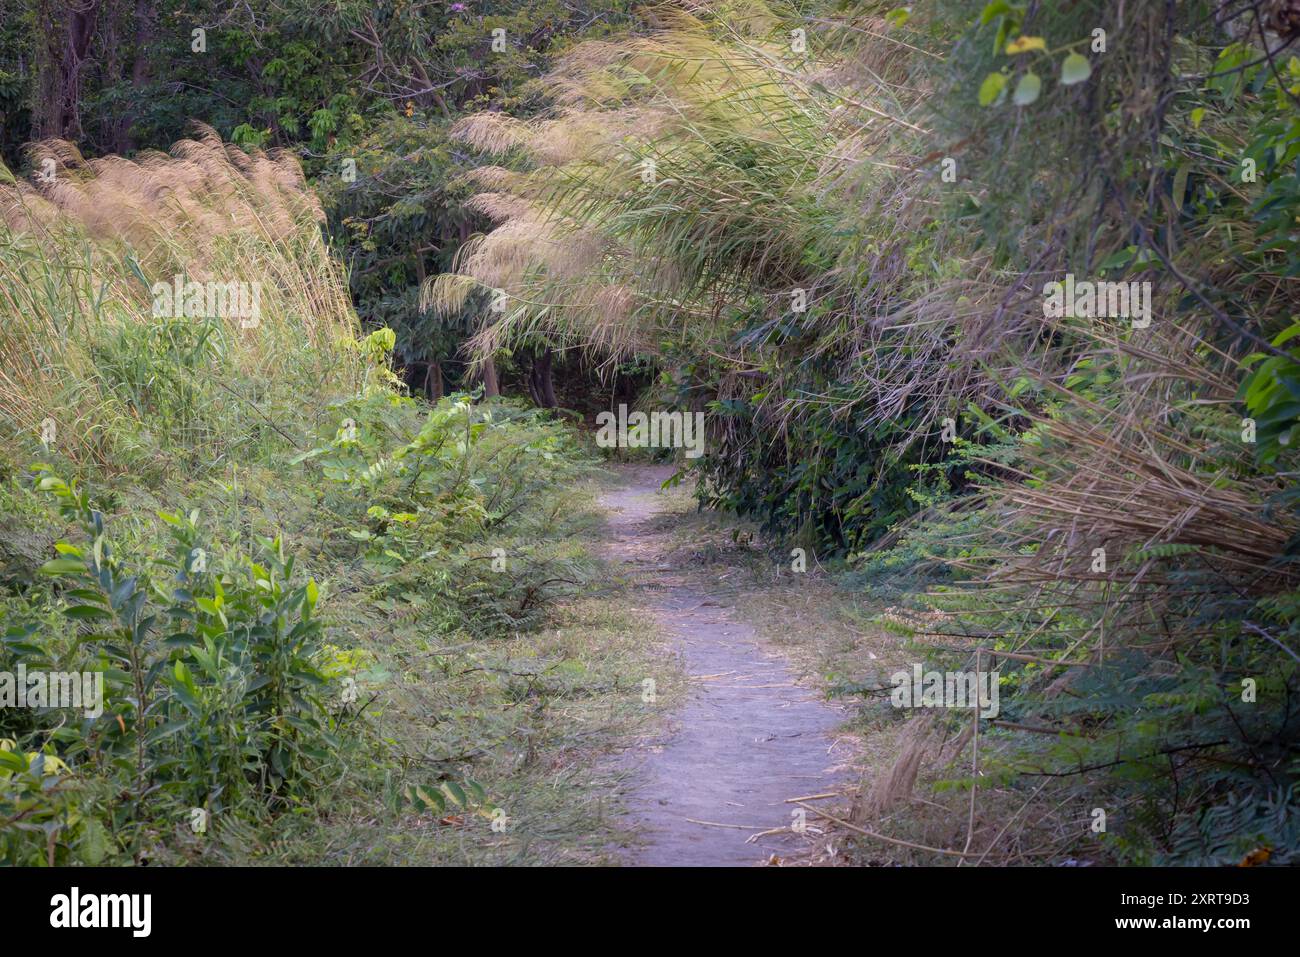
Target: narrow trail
747, 737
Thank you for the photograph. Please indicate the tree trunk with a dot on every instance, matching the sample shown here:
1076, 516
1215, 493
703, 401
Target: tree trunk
433, 381
491, 387
68, 32
146, 16
542, 383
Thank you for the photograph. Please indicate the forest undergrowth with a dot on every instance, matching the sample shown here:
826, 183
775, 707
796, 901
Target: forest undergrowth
990, 308
329, 622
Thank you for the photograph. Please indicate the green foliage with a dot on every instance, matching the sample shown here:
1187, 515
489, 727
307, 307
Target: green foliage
1162, 148
1100, 504
369, 86
249, 659
222, 693
213, 698
448, 509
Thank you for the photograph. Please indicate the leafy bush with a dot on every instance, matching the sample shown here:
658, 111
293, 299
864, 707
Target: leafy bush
449, 511
214, 695
270, 510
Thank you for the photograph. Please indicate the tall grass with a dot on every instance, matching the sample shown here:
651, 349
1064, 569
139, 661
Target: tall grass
1107, 532
81, 249
262, 522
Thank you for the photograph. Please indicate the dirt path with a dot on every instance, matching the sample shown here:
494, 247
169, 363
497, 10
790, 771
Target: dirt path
747, 737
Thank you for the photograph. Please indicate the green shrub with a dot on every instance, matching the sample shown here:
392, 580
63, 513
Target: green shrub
214, 695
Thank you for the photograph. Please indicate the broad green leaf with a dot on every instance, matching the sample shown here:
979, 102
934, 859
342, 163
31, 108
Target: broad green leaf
991, 87
1287, 334
13, 761
1075, 68
432, 800
63, 566
87, 612
455, 792
1180, 184
1027, 89
94, 842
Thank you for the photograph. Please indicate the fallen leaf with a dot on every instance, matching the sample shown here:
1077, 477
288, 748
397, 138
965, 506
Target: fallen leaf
1255, 858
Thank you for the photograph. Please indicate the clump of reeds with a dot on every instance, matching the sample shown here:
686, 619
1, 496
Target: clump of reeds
82, 247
